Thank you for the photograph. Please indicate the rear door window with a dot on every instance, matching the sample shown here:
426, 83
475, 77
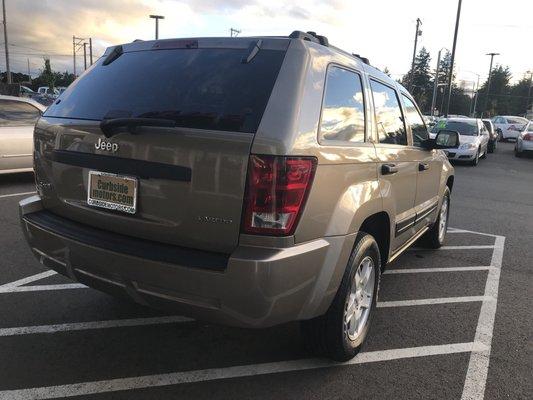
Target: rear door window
204, 88
17, 113
415, 121
343, 111
389, 118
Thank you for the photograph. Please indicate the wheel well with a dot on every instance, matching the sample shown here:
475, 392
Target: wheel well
449, 182
378, 225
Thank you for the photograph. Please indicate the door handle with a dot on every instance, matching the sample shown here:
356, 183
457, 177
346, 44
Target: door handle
423, 166
389, 169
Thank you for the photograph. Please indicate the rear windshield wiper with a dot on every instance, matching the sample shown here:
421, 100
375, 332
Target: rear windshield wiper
110, 126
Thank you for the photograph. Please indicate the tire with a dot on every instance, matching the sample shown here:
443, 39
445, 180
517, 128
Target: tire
492, 147
517, 153
475, 161
330, 334
434, 238
485, 152
500, 136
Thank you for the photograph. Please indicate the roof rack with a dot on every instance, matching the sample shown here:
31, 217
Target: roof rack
313, 37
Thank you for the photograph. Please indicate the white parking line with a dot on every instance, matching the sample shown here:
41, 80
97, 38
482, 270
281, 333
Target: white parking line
430, 269
29, 279
425, 302
42, 288
478, 366
477, 247
176, 378
81, 326
15, 194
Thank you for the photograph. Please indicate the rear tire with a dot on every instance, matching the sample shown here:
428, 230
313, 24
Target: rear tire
434, 238
340, 333
517, 153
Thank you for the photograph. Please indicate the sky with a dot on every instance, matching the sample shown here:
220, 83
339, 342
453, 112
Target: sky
382, 30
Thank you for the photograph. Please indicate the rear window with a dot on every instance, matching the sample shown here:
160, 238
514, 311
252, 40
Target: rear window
197, 88
17, 113
517, 120
468, 128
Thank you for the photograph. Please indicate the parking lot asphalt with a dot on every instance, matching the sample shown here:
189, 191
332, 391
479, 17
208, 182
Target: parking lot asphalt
450, 324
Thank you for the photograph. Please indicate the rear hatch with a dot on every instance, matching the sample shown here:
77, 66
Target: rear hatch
173, 168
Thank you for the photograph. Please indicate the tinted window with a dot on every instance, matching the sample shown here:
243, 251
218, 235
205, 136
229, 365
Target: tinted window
17, 113
197, 88
343, 112
467, 127
488, 125
517, 120
389, 119
415, 120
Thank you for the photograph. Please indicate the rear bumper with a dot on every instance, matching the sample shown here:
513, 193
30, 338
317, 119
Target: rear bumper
524, 145
252, 287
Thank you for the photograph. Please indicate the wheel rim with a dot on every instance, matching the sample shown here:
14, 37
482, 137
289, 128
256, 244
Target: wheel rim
359, 302
443, 219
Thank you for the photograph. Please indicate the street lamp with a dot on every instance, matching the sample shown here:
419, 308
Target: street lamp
157, 18
488, 83
435, 83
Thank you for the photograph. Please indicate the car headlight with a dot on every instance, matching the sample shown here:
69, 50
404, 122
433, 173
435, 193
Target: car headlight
467, 146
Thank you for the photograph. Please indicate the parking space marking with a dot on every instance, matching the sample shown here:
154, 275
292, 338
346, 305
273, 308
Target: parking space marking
82, 326
431, 269
28, 279
425, 302
42, 288
477, 247
478, 366
240, 371
15, 194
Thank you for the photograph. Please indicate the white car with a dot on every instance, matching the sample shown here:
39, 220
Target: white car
18, 116
46, 91
524, 141
509, 127
473, 138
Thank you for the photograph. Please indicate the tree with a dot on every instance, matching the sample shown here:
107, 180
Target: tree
420, 81
498, 101
51, 78
386, 71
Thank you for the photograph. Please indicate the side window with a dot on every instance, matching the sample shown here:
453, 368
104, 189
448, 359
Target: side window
343, 112
17, 113
415, 121
391, 129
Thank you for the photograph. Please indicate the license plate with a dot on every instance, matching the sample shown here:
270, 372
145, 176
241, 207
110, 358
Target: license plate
111, 191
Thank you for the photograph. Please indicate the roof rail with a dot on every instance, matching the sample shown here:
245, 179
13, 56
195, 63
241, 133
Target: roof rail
363, 59
310, 36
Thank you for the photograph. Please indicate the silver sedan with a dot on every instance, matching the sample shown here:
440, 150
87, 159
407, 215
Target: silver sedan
18, 116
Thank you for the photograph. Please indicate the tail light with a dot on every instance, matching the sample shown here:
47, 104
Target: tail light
276, 191
528, 136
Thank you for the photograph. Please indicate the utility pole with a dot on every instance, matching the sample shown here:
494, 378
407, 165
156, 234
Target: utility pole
476, 97
489, 81
233, 31
91, 50
29, 74
529, 90
450, 78
84, 56
157, 18
6, 43
418, 33
77, 44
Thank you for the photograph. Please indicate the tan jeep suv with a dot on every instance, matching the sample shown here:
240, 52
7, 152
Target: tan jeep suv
244, 181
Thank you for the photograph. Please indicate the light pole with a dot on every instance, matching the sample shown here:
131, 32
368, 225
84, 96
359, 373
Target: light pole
450, 77
418, 33
489, 81
529, 90
6, 43
157, 18
436, 83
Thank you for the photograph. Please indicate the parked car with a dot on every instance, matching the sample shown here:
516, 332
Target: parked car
524, 142
430, 120
257, 191
26, 92
47, 91
509, 127
474, 138
493, 135
17, 119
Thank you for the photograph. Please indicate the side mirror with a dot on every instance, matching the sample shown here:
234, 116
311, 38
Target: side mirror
445, 139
